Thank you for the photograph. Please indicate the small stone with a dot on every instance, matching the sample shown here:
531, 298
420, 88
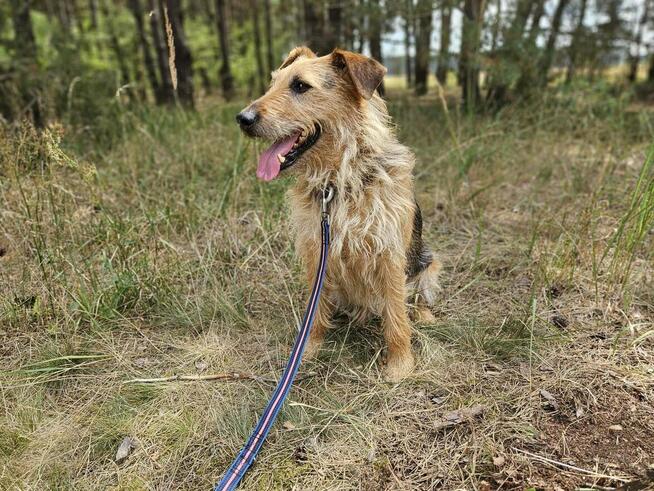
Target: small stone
201, 366
499, 461
551, 401
559, 321
124, 449
288, 426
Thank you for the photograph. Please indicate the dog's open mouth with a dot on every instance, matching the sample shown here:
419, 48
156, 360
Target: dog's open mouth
285, 152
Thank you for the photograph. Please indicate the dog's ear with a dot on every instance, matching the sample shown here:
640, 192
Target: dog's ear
296, 53
366, 74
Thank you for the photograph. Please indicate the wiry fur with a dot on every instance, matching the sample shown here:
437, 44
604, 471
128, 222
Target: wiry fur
372, 213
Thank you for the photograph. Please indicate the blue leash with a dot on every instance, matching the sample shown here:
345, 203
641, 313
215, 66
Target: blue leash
246, 456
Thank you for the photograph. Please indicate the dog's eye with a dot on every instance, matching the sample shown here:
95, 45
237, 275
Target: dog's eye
299, 87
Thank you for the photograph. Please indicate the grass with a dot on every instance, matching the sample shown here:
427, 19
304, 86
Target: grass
150, 250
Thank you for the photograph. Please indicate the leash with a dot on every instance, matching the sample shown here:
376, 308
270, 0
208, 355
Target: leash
246, 456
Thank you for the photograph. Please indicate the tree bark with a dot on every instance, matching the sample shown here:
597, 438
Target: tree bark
537, 14
115, 44
156, 22
548, 54
573, 51
225, 72
183, 57
150, 69
27, 62
408, 25
334, 26
93, 11
376, 21
497, 27
315, 26
473, 14
270, 49
24, 40
423, 38
254, 10
650, 71
362, 25
634, 58
442, 66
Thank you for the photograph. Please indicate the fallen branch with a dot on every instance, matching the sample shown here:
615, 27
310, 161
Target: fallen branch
572, 467
197, 378
216, 376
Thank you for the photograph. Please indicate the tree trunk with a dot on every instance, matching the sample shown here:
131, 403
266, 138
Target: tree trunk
334, 26
573, 51
115, 44
423, 38
150, 69
534, 30
315, 27
156, 21
93, 11
548, 54
254, 10
634, 59
376, 20
362, 25
526, 54
27, 62
473, 15
497, 27
24, 40
348, 26
650, 71
183, 57
225, 72
442, 66
270, 49
510, 54
408, 25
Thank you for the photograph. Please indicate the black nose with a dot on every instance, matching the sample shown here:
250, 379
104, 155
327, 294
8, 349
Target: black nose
247, 118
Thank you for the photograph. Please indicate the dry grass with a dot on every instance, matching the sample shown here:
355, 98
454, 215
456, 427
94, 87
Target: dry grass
173, 259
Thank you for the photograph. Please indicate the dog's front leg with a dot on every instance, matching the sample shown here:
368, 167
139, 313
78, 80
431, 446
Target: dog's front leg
395, 320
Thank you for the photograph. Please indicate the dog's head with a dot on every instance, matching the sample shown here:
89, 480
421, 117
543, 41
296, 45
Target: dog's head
309, 96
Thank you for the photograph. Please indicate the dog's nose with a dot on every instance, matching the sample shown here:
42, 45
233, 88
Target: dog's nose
247, 118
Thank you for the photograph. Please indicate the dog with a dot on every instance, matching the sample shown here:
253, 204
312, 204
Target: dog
329, 127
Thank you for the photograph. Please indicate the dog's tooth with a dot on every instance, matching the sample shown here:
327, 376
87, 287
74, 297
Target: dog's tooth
281, 158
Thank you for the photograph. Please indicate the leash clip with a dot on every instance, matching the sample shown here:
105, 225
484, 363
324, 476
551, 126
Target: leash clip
327, 196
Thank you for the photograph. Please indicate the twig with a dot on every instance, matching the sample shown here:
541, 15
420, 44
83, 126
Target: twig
198, 378
216, 376
572, 467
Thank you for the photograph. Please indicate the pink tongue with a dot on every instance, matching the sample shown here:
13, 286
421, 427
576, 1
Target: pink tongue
269, 165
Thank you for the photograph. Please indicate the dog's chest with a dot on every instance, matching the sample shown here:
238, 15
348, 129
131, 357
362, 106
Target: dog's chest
363, 236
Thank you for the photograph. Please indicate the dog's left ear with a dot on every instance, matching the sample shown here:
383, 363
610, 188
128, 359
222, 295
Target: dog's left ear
365, 73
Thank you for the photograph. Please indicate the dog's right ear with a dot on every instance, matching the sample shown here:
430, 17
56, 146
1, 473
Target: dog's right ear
296, 53
365, 73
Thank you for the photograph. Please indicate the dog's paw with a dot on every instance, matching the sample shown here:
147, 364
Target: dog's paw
312, 348
398, 367
423, 315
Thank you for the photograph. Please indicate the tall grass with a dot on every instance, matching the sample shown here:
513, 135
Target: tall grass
150, 249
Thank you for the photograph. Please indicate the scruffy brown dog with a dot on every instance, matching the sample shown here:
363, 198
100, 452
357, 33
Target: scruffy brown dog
330, 128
